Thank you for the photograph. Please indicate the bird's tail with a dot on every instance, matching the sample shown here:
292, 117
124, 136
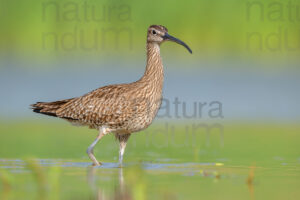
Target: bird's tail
49, 108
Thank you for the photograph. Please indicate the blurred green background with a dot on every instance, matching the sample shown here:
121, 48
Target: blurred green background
221, 29
245, 59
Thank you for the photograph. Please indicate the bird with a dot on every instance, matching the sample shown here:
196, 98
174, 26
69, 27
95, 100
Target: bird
119, 109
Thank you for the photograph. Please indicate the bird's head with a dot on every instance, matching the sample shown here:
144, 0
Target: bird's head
159, 34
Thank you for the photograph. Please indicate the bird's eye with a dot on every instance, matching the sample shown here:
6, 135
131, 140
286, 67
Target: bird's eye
153, 32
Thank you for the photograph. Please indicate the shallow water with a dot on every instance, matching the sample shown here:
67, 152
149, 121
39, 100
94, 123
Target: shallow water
19, 163
256, 161
69, 179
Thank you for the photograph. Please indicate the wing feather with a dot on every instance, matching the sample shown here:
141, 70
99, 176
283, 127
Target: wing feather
108, 105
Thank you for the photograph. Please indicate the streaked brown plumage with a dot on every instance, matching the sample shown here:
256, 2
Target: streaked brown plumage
121, 109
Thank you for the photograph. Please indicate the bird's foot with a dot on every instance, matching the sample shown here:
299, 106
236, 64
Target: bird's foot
97, 164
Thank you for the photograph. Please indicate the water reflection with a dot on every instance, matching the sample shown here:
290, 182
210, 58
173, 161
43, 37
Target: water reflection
111, 182
134, 182
121, 191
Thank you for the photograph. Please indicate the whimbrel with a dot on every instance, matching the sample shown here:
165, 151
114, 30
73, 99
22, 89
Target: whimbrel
120, 109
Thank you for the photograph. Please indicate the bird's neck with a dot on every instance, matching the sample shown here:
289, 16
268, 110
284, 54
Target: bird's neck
154, 69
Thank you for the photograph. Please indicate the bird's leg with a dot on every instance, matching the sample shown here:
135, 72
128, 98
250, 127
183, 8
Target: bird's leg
123, 141
121, 152
90, 150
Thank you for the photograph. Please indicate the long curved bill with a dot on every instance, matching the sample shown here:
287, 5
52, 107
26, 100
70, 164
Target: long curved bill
174, 39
